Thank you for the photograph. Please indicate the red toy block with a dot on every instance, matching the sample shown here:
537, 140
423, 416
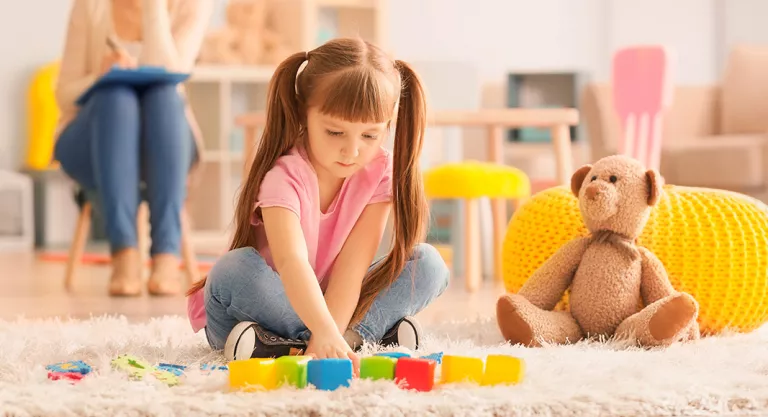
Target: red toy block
415, 373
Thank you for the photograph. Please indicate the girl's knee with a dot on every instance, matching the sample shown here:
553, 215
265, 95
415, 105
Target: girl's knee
432, 273
235, 266
163, 95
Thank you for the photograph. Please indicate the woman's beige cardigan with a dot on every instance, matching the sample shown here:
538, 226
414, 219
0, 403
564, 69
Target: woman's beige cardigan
170, 39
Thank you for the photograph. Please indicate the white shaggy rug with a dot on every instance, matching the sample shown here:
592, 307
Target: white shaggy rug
726, 375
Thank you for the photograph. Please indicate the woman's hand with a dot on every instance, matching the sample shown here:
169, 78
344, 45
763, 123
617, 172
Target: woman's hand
332, 345
120, 58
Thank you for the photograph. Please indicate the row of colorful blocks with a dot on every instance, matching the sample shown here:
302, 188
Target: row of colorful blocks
409, 372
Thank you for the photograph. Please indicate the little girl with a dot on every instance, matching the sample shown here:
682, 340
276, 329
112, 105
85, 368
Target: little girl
299, 277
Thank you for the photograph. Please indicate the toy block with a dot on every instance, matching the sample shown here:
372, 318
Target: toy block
415, 373
396, 355
253, 374
503, 369
78, 367
329, 374
461, 369
378, 367
437, 357
292, 370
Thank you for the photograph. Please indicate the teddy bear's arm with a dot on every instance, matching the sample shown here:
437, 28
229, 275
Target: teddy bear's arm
546, 286
654, 281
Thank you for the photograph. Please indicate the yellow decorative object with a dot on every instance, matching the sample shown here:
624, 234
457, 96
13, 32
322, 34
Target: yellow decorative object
461, 369
473, 179
713, 244
468, 181
42, 116
503, 370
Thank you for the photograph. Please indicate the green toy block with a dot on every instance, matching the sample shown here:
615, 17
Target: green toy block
378, 367
292, 370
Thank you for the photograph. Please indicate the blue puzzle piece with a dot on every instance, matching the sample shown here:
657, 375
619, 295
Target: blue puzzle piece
396, 355
177, 370
329, 374
209, 367
437, 357
79, 367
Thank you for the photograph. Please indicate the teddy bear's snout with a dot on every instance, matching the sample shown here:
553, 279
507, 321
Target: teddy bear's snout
592, 191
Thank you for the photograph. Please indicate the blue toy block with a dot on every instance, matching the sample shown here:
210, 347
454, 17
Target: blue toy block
396, 355
437, 357
79, 367
329, 374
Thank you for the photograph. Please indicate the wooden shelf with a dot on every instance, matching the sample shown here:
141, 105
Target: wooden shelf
217, 73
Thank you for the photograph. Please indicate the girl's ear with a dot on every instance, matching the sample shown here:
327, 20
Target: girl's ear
577, 179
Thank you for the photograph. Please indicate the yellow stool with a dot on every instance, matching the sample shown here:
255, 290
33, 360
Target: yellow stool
469, 181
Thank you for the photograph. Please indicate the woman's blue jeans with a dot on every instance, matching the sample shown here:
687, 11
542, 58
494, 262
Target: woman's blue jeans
122, 139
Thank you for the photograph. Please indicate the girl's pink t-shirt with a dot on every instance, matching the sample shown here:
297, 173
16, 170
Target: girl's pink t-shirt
292, 184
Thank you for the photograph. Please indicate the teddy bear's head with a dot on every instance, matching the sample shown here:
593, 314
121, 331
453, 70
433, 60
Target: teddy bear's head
616, 194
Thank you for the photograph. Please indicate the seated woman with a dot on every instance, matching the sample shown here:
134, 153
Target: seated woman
123, 138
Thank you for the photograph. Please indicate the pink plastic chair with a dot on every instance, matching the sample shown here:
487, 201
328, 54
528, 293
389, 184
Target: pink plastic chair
641, 93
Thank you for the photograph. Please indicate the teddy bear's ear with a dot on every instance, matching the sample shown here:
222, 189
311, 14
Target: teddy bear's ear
578, 178
655, 182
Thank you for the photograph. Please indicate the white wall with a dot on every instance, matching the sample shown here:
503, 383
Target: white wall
29, 38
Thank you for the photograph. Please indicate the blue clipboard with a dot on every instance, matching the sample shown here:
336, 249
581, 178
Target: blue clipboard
139, 78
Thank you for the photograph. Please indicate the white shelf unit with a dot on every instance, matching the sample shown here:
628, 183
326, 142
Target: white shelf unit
218, 93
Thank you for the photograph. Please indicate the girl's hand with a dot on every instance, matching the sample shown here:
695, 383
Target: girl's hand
332, 345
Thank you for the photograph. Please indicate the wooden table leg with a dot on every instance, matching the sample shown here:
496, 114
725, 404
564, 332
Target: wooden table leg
561, 140
498, 205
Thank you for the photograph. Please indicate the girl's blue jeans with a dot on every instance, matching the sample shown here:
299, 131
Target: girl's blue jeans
123, 138
242, 287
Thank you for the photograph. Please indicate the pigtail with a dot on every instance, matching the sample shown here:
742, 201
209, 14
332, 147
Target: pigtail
409, 205
280, 135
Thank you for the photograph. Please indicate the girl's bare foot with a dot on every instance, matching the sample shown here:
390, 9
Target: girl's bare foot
165, 275
126, 273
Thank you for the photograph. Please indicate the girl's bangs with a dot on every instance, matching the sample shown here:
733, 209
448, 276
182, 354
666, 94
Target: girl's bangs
359, 95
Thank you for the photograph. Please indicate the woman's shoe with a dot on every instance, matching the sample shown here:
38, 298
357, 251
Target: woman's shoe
249, 340
164, 279
406, 332
126, 273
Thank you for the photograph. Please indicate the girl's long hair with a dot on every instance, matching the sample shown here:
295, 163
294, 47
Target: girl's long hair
355, 81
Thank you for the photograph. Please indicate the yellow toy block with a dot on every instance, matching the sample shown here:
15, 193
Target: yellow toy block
503, 369
253, 374
461, 369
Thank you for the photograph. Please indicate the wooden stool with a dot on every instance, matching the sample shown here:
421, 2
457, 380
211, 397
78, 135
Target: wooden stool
469, 181
142, 224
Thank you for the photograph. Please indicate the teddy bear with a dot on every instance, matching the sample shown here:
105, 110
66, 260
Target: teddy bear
618, 289
248, 38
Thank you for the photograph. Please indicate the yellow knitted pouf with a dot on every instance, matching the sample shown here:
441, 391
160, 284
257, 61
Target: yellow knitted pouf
713, 243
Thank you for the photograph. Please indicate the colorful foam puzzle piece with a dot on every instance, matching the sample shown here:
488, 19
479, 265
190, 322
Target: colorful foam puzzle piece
210, 367
377, 367
138, 369
415, 373
396, 355
503, 369
461, 369
79, 367
253, 374
177, 370
437, 357
70, 376
291, 370
329, 374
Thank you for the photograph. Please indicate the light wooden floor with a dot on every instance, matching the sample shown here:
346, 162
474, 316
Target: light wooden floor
34, 288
